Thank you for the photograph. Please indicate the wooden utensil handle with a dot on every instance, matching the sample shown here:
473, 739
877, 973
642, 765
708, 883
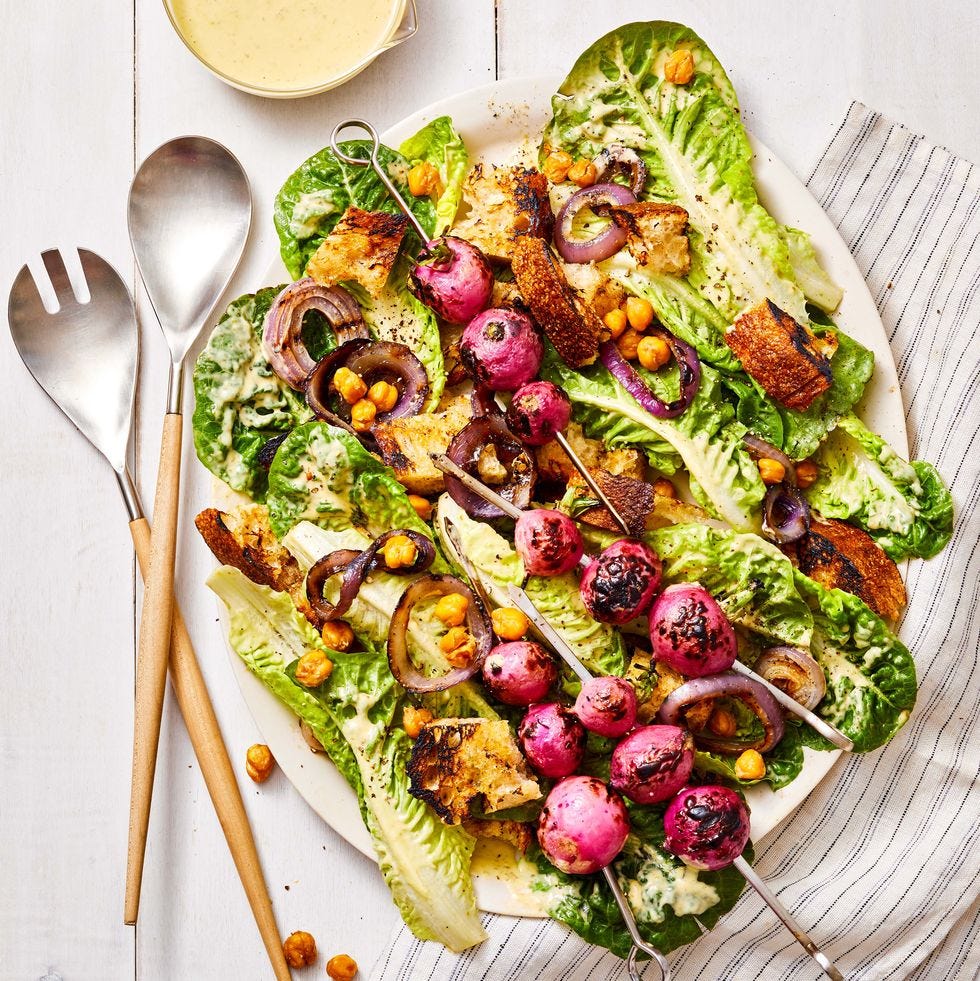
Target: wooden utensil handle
151, 660
212, 756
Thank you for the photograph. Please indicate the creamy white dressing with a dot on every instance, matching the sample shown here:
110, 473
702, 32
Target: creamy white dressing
310, 212
324, 478
267, 44
659, 883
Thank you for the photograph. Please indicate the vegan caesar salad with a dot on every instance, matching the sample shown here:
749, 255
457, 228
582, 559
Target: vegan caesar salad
632, 294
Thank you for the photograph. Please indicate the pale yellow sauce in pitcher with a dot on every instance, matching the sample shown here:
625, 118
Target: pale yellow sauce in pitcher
284, 45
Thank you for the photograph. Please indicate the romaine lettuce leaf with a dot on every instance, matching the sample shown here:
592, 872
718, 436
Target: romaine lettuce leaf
905, 507
439, 144
323, 474
597, 645
315, 196
812, 278
239, 401
706, 436
667, 897
424, 862
870, 674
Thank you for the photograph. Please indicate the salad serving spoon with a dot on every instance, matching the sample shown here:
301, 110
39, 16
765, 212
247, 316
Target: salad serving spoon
524, 603
190, 209
828, 731
84, 356
374, 163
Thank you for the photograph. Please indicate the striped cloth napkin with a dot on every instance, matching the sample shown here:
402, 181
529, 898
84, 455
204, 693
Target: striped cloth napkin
881, 863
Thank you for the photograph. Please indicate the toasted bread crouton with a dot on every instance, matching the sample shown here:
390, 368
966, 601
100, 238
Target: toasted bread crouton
456, 762
554, 465
504, 202
408, 444
363, 246
839, 556
515, 833
653, 683
780, 354
657, 235
571, 326
595, 290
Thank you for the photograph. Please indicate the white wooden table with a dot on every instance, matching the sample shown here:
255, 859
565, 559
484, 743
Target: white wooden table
87, 89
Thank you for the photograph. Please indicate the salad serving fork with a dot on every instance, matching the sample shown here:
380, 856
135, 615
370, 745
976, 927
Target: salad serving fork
84, 356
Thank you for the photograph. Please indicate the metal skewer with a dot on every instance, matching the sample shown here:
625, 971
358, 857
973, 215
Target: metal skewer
592, 483
524, 603
790, 704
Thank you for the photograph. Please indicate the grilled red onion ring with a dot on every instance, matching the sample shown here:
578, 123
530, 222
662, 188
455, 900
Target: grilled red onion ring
282, 340
355, 566
465, 450
785, 514
688, 364
755, 695
477, 623
374, 361
794, 672
619, 159
484, 402
760, 450
609, 241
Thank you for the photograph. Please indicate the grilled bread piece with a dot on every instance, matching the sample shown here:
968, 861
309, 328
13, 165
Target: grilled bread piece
515, 833
839, 556
456, 762
504, 202
553, 463
653, 683
571, 325
595, 290
780, 354
363, 246
407, 445
656, 235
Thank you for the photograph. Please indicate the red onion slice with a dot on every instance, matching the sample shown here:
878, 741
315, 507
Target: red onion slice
282, 341
785, 514
755, 695
374, 361
465, 450
761, 450
355, 566
477, 623
794, 672
619, 159
688, 364
609, 241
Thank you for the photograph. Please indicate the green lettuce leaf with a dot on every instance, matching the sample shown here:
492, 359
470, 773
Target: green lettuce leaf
240, 403
783, 762
706, 436
870, 674
812, 278
315, 196
696, 151
424, 862
597, 645
905, 507
667, 897
439, 144
323, 474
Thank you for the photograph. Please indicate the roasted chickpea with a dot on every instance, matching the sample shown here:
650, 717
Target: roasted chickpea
413, 719
639, 313
722, 723
771, 471
653, 352
628, 343
423, 180
509, 623
664, 487
750, 766
384, 395
362, 415
556, 166
259, 762
399, 552
299, 949
423, 508
679, 67
583, 173
451, 609
351, 386
615, 322
342, 967
337, 635
806, 473
313, 669
458, 646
